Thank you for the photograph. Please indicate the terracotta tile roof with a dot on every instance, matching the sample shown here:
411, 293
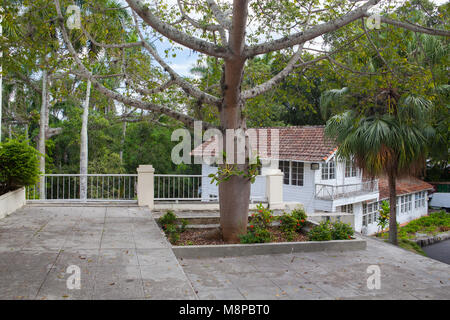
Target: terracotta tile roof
403, 186
305, 143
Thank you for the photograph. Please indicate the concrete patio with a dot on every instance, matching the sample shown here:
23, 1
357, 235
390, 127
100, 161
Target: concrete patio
122, 254
321, 275
120, 250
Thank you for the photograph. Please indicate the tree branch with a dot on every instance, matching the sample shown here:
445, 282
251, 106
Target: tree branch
185, 85
414, 27
314, 32
220, 16
174, 34
85, 73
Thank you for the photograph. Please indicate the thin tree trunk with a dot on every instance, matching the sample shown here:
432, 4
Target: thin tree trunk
84, 144
393, 210
26, 133
122, 142
42, 130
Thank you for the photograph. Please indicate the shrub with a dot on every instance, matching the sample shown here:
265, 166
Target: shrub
168, 218
19, 165
300, 215
326, 231
168, 223
288, 223
259, 223
263, 217
322, 232
383, 219
256, 235
341, 231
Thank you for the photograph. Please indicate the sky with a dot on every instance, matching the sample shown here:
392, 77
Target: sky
187, 58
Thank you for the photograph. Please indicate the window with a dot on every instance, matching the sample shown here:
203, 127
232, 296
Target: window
328, 170
405, 203
284, 167
292, 172
350, 169
348, 208
419, 199
297, 173
370, 213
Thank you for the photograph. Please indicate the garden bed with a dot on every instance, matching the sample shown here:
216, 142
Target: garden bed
209, 237
266, 234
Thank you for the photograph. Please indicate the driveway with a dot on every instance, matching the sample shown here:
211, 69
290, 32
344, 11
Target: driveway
120, 252
321, 275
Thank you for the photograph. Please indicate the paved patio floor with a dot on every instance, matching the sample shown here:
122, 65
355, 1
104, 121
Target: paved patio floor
321, 275
120, 251
122, 254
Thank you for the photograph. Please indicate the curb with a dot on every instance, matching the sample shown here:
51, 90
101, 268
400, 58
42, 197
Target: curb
237, 250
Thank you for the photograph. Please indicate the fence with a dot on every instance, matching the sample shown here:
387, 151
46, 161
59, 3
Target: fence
123, 187
100, 187
331, 192
178, 187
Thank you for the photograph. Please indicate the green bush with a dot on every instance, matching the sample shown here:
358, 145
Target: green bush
168, 218
168, 223
288, 223
292, 222
259, 223
326, 231
300, 215
341, 231
263, 217
256, 235
19, 165
322, 232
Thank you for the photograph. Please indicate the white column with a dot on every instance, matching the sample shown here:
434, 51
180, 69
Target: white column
145, 187
274, 188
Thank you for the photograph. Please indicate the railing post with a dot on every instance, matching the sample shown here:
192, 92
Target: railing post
274, 188
146, 185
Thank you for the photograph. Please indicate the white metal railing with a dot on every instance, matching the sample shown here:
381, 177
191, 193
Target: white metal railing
331, 192
100, 187
177, 187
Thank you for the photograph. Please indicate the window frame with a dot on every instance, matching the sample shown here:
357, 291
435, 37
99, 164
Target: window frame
287, 167
329, 170
370, 216
351, 170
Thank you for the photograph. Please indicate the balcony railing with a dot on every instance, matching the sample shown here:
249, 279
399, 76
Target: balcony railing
330, 192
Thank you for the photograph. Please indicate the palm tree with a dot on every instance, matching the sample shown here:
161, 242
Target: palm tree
387, 138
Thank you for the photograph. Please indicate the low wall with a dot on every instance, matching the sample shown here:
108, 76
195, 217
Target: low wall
12, 201
236, 250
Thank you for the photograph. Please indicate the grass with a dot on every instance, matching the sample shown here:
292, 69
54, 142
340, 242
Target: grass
410, 246
432, 224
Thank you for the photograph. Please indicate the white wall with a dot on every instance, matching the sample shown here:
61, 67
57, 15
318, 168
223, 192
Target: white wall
258, 189
11, 201
415, 213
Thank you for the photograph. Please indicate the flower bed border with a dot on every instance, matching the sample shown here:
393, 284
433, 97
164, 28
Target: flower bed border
237, 250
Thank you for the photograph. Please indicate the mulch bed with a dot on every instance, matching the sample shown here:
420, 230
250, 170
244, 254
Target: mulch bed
211, 237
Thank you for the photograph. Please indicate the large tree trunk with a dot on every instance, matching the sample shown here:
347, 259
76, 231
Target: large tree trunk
234, 194
393, 210
42, 129
84, 145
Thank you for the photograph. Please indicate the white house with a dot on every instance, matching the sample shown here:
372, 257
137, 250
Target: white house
326, 186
